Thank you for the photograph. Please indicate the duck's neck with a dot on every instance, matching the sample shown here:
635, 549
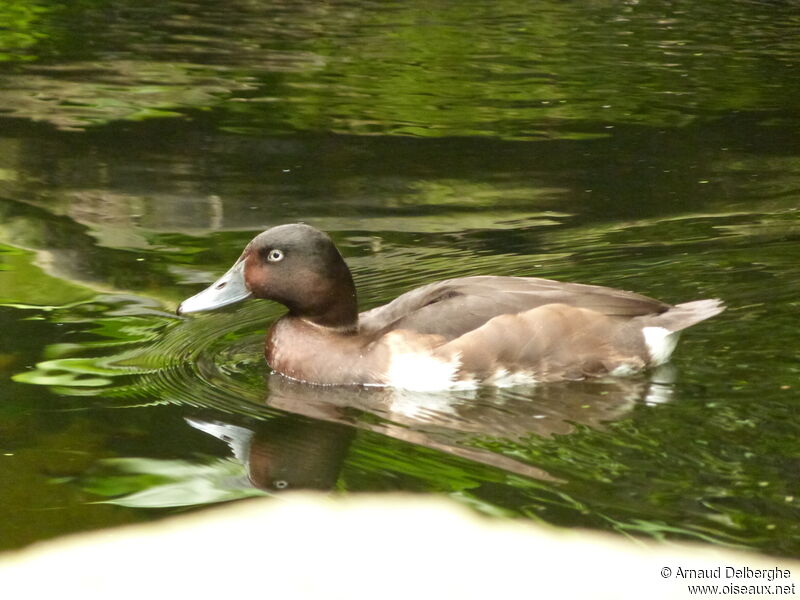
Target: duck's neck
337, 318
332, 304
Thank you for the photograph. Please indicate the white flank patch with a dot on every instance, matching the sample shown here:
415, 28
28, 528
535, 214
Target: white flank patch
505, 378
421, 372
660, 343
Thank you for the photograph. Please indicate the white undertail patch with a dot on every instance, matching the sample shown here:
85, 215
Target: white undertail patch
660, 343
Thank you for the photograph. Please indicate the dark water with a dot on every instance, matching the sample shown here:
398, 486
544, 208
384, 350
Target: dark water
648, 146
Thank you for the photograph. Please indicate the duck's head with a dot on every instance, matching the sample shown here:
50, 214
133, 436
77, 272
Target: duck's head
296, 265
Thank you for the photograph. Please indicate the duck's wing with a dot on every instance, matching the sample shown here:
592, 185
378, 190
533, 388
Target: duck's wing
453, 307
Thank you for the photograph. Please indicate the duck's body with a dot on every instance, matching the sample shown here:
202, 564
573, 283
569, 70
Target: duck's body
450, 334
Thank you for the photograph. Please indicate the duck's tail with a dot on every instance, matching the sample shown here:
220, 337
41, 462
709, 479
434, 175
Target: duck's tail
685, 315
661, 332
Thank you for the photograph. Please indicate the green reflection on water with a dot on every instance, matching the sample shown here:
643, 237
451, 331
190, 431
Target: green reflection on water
23, 283
147, 483
518, 71
22, 29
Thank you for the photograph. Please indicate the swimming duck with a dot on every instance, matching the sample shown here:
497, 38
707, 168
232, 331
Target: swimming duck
456, 333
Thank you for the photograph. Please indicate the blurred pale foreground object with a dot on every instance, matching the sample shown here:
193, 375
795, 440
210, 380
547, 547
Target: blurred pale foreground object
303, 545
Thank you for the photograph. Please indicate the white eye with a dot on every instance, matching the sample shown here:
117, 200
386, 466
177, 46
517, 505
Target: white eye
275, 255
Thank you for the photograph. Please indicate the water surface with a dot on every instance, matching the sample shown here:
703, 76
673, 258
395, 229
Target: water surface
651, 147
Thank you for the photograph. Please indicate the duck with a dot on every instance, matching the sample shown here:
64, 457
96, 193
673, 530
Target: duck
459, 333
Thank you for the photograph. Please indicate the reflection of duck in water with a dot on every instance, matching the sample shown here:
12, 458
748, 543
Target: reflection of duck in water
306, 447
459, 415
454, 334
286, 452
